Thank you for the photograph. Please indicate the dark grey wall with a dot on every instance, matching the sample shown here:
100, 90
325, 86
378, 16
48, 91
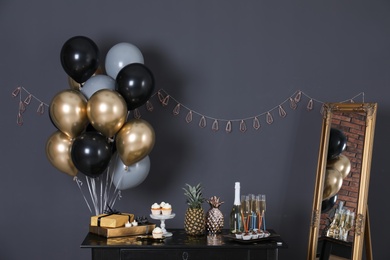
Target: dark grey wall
225, 59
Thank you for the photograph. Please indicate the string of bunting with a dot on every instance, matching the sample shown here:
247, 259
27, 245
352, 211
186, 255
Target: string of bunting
164, 98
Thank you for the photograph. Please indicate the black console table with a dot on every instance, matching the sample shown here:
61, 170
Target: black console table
329, 246
181, 246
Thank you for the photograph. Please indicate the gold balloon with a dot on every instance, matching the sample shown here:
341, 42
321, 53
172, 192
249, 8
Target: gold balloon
333, 183
58, 148
68, 112
341, 163
134, 141
77, 86
107, 111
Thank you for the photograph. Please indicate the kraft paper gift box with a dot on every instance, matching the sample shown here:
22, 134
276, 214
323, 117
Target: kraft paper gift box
122, 231
111, 220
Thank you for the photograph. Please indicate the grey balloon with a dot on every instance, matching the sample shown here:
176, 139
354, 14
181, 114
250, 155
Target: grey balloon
126, 177
96, 83
120, 55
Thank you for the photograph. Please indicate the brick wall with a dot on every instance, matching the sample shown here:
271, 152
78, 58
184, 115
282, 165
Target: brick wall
353, 126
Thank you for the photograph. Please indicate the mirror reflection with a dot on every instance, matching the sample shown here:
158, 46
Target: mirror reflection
342, 176
340, 199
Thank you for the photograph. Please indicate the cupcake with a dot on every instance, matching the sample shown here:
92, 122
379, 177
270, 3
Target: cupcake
166, 209
157, 233
156, 209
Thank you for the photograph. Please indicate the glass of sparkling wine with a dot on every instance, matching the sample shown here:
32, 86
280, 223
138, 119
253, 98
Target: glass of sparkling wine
258, 212
245, 212
348, 224
340, 233
262, 205
253, 217
334, 225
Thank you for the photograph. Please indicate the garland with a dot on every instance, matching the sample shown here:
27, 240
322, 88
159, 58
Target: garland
25, 98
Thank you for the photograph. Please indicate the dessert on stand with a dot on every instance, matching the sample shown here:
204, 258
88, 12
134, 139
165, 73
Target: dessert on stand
163, 213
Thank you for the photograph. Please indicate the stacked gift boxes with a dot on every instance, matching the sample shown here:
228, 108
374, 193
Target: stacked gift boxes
113, 225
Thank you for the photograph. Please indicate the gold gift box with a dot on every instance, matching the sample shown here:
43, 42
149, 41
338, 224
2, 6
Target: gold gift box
122, 231
111, 221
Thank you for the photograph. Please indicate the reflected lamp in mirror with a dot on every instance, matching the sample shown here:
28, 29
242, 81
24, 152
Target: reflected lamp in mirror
339, 214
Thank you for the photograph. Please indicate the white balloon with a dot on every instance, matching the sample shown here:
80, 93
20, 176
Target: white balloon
126, 177
95, 83
119, 56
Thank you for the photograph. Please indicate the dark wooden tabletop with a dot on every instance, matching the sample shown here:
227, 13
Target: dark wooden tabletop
181, 240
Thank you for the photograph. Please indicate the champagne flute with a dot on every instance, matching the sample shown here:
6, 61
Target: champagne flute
245, 212
340, 229
334, 225
258, 212
252, 199
262, 209
348, 224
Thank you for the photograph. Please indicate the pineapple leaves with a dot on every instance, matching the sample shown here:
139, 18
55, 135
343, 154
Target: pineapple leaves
194, 195
214, 202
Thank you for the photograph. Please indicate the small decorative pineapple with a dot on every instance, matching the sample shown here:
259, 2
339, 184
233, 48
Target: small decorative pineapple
214, 217
194, 221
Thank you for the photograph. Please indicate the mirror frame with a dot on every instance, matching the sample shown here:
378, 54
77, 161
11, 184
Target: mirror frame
361, 211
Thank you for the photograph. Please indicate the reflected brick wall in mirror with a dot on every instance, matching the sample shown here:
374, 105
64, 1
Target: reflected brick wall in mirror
353, 126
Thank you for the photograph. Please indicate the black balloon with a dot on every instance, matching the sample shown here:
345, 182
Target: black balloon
135, 82
328, 204
111, 142
80, 58
337, 143
91, 153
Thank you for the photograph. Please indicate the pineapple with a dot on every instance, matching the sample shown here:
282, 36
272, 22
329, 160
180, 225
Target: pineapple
194, 221
214, 217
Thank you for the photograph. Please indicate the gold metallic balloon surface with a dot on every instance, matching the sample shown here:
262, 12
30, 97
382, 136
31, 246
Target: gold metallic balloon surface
77, 86
134, 141
333, 183
107, 111
68, 112
58, 148
341, 163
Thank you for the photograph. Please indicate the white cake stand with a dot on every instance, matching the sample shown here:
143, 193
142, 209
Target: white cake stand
162, 219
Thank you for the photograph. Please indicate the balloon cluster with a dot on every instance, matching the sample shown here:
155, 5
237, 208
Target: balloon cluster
337, 168
94, 133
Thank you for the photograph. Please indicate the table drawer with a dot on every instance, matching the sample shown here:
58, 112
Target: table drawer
184, 254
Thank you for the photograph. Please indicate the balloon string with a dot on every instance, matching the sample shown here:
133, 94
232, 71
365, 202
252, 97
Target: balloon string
93, 184
89, 188
101, 194
108, 195
113, 170
91, 192
118, 195
106, 187
115, 193
111, 183
79, 183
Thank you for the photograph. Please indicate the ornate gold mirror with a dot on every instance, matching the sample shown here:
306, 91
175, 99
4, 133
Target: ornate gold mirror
340, 214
